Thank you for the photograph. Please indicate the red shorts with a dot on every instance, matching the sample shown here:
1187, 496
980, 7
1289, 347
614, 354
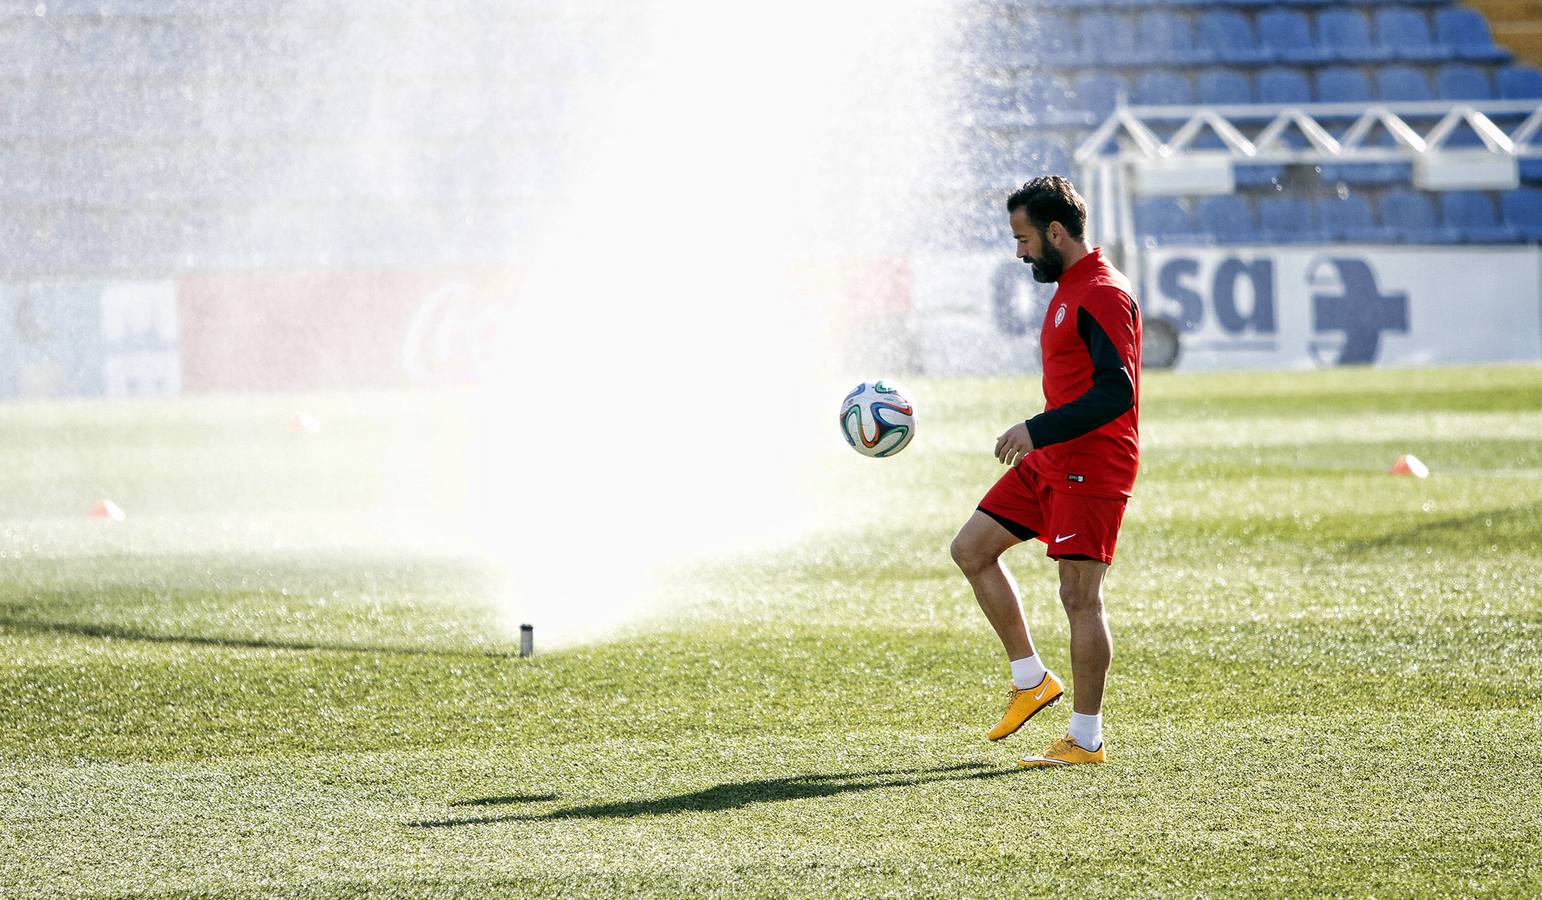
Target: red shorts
1071, 524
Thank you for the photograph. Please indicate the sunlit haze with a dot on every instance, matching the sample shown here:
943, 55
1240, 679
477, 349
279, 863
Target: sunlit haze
674, 364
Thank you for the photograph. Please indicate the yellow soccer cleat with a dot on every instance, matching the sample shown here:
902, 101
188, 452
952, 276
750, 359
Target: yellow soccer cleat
1022, 704
1066, 752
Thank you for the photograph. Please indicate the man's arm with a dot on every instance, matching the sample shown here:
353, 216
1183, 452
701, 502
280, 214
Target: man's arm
1112, 393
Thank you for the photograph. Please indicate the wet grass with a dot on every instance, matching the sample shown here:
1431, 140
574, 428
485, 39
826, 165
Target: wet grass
1327, 679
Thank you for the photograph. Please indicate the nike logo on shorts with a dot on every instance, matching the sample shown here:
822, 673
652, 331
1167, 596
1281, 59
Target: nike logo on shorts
1058, 538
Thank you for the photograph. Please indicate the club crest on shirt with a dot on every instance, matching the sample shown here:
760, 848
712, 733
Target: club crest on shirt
1060, 315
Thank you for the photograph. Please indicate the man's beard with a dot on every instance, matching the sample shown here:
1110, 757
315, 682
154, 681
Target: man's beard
1049, 267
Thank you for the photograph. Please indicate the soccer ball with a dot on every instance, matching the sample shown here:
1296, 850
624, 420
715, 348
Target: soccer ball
877, 419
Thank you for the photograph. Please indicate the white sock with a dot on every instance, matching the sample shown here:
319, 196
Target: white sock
1088, 730
1027, 672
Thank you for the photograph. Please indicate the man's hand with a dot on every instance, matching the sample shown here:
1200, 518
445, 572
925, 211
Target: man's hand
1014, 444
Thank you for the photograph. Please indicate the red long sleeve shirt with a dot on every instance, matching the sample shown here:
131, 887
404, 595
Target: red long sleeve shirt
1087, 440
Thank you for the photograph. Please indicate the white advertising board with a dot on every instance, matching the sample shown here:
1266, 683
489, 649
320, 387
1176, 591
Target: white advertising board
1257, 307
1306, 307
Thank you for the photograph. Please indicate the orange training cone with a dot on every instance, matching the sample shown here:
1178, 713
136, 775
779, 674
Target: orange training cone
1408, 464
106, 509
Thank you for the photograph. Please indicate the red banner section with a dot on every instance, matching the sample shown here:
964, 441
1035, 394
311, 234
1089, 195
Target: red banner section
329, 329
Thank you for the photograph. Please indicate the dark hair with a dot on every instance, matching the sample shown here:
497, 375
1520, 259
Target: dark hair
1051, 199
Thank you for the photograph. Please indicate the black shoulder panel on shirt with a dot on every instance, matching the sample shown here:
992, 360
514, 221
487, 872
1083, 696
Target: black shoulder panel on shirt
1111, 395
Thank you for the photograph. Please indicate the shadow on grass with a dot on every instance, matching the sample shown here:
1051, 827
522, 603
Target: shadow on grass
1506, 525
119, 633
511, 798
735, 795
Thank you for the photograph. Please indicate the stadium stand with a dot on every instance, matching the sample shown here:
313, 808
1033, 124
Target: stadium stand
1089, 56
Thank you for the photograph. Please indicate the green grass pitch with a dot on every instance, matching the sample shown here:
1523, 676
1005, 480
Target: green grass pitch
1327, 680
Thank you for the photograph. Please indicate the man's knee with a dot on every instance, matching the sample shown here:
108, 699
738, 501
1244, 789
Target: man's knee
971, 558
1080, 597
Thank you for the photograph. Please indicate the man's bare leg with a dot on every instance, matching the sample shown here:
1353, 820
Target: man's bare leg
977, 550
1092, 648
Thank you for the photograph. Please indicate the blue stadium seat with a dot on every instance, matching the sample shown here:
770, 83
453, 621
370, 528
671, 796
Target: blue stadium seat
1464, 34
1281, 85
1164, 220
1523, 212
1470, 217
1460, 81
1052, 40
1523, 83
1411, 214
1051, 102
1250, 175
1403, 84
1287, 220
1367, 174
1463, 82
1223, 87
1228, 219
1099, 93
1343, 84
1163, 88
1168, 38
1405, 34
1350, 219
1108, 39
1520, 83
1230, 36
1414, 216
1039, 156
1346, 36
1286, 35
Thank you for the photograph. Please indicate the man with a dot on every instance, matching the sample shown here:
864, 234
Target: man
1072, 468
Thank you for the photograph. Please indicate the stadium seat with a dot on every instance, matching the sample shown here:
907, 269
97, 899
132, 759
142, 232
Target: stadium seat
1520, 83
1051, 39
1469, 216
1367, 174
1051, 102
1462, 82
1343, 84
1229, 35
1350, 219
1164, 220
1108, 40
1523, 212
1346, 36
1039, 156
1405, 34
1163, 88
1227, 218
1252, 175
1464, 34
1286, 36
1283, 86
1287, 220
1411, 215
1223, 87
1100, 93
1168, 38
1403, 84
